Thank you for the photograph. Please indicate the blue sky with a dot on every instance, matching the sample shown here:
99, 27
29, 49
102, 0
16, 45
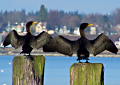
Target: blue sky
85, 6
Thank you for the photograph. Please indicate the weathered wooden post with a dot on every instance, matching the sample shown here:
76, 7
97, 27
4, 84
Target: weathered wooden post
87, 74
28, 70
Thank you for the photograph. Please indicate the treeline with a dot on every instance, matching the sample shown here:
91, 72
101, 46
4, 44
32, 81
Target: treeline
58, 18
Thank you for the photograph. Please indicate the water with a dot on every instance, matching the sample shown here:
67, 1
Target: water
57, 70
6, 75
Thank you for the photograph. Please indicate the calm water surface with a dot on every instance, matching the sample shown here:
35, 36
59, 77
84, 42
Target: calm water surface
57, 69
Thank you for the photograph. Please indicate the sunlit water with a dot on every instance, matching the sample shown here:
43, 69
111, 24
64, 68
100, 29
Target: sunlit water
57, 70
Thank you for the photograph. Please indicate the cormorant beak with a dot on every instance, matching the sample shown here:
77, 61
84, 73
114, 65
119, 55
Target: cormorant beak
89, 25
34, 22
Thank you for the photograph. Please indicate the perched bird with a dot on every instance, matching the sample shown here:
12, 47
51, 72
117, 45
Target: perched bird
27, 42
82, 47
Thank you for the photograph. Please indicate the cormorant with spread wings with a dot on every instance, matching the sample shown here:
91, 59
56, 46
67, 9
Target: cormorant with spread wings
27, 42
82, 46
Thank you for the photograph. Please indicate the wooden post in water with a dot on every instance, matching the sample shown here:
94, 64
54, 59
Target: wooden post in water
28, 70
87, 74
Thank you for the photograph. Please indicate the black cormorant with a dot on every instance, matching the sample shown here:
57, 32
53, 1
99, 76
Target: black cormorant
27, 42
82, 46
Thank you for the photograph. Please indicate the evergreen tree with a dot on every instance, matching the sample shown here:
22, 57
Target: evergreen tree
105, 18
6, 13
42, 14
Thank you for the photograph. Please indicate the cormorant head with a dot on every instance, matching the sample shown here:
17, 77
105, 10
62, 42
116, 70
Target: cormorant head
82, 28
84, 25
29, 24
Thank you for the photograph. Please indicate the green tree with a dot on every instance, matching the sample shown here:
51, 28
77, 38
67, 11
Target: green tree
5, 13
105, 18
42, 14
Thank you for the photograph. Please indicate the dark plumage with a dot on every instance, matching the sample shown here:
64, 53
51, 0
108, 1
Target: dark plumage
29, 41
82, 46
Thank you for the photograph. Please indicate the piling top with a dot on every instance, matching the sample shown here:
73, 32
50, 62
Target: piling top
82, 64
28, 70
87, 66
87, 74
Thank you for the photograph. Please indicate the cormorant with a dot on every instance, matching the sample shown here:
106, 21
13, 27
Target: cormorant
27, 42
82, 46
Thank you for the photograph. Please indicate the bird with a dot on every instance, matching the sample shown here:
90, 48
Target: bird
82, 47
28, 41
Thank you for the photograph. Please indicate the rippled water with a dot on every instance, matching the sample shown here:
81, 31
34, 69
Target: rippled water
57, 70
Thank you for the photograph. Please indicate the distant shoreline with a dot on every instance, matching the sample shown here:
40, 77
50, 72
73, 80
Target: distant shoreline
58, 54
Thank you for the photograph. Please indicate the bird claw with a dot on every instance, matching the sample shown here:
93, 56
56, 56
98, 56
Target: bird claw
87, 61
80, 61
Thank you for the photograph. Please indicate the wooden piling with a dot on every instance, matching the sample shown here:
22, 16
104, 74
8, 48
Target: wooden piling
87, 74
28, 70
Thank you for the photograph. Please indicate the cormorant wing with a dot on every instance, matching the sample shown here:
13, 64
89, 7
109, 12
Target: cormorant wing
59, 44
14, 39
101, 43
40, 40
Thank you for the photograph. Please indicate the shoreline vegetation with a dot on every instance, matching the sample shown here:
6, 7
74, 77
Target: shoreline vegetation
58, 54
16, 52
